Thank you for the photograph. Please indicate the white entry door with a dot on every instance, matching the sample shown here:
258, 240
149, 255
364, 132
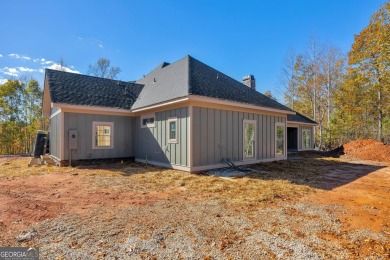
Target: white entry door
249, 131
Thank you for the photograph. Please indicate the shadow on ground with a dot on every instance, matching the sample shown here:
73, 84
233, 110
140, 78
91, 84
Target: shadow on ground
314, 169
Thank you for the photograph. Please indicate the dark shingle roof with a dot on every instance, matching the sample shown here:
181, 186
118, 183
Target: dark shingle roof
77, 89
182, 78
165, 82
209, 82
300, 118
189, 76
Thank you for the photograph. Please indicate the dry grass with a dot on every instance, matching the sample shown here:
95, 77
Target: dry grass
248, 191
17, 167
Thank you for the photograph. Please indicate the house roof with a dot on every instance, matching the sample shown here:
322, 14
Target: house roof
300, 119
188, 76
209, 82
77, 89
166, 82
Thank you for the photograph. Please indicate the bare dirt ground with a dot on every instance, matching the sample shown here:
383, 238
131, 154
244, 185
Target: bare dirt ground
309, 207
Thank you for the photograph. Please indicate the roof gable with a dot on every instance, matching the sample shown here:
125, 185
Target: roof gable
165, 82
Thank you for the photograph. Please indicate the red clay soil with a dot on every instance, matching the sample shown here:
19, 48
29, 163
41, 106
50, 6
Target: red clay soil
368, 150
27, 200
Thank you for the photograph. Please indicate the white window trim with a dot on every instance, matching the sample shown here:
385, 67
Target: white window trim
172, 141
284, 139
148, 116
303, 141
97, 123
243, 140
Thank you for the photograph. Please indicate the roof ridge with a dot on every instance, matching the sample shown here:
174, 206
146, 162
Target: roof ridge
84, 75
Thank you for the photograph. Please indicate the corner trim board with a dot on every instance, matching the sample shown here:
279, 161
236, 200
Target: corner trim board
55, 113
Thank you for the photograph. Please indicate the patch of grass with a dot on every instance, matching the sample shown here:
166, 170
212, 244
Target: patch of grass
18, 167
252, 190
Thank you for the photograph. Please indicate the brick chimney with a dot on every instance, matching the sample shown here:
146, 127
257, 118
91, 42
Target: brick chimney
250, 81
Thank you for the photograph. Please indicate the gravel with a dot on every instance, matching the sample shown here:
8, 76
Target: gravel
196, 230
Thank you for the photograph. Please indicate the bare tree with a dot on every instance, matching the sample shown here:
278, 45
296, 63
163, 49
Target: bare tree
103, 69
62, 65
333, 70
288, 78
313, 56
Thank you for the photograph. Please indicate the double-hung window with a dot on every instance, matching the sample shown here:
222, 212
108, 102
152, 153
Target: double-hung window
172, 130
102, 135
280, 139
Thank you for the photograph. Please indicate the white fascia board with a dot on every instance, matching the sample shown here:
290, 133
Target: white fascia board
170, 102
90, 108
295, 123
237, 104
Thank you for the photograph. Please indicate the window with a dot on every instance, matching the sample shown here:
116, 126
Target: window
172, 130
102, 135
147, 121
279, 139
306, 138
249, 131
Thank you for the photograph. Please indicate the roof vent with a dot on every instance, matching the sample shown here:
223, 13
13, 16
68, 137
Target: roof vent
249, 80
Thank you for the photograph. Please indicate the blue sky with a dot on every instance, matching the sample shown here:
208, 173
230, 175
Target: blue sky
235, 37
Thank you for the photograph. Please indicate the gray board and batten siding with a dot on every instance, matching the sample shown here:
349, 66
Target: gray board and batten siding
55, 135
122, 134
218, 134
151, 143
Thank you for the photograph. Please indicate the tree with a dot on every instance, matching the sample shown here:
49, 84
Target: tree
311, 80
269, 94
289, 77
369, 64
62, 65
20, 115
103, 69
332, 68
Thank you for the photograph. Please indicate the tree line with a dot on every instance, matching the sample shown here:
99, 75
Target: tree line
21, 108
347, 95
20, 115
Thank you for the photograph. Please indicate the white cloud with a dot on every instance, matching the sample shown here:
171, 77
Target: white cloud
14, 55
41, 70
17, 56
2, 81
1, 55
43, 61
24, 69
13, 72
47, 62
100, 45
56, 66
